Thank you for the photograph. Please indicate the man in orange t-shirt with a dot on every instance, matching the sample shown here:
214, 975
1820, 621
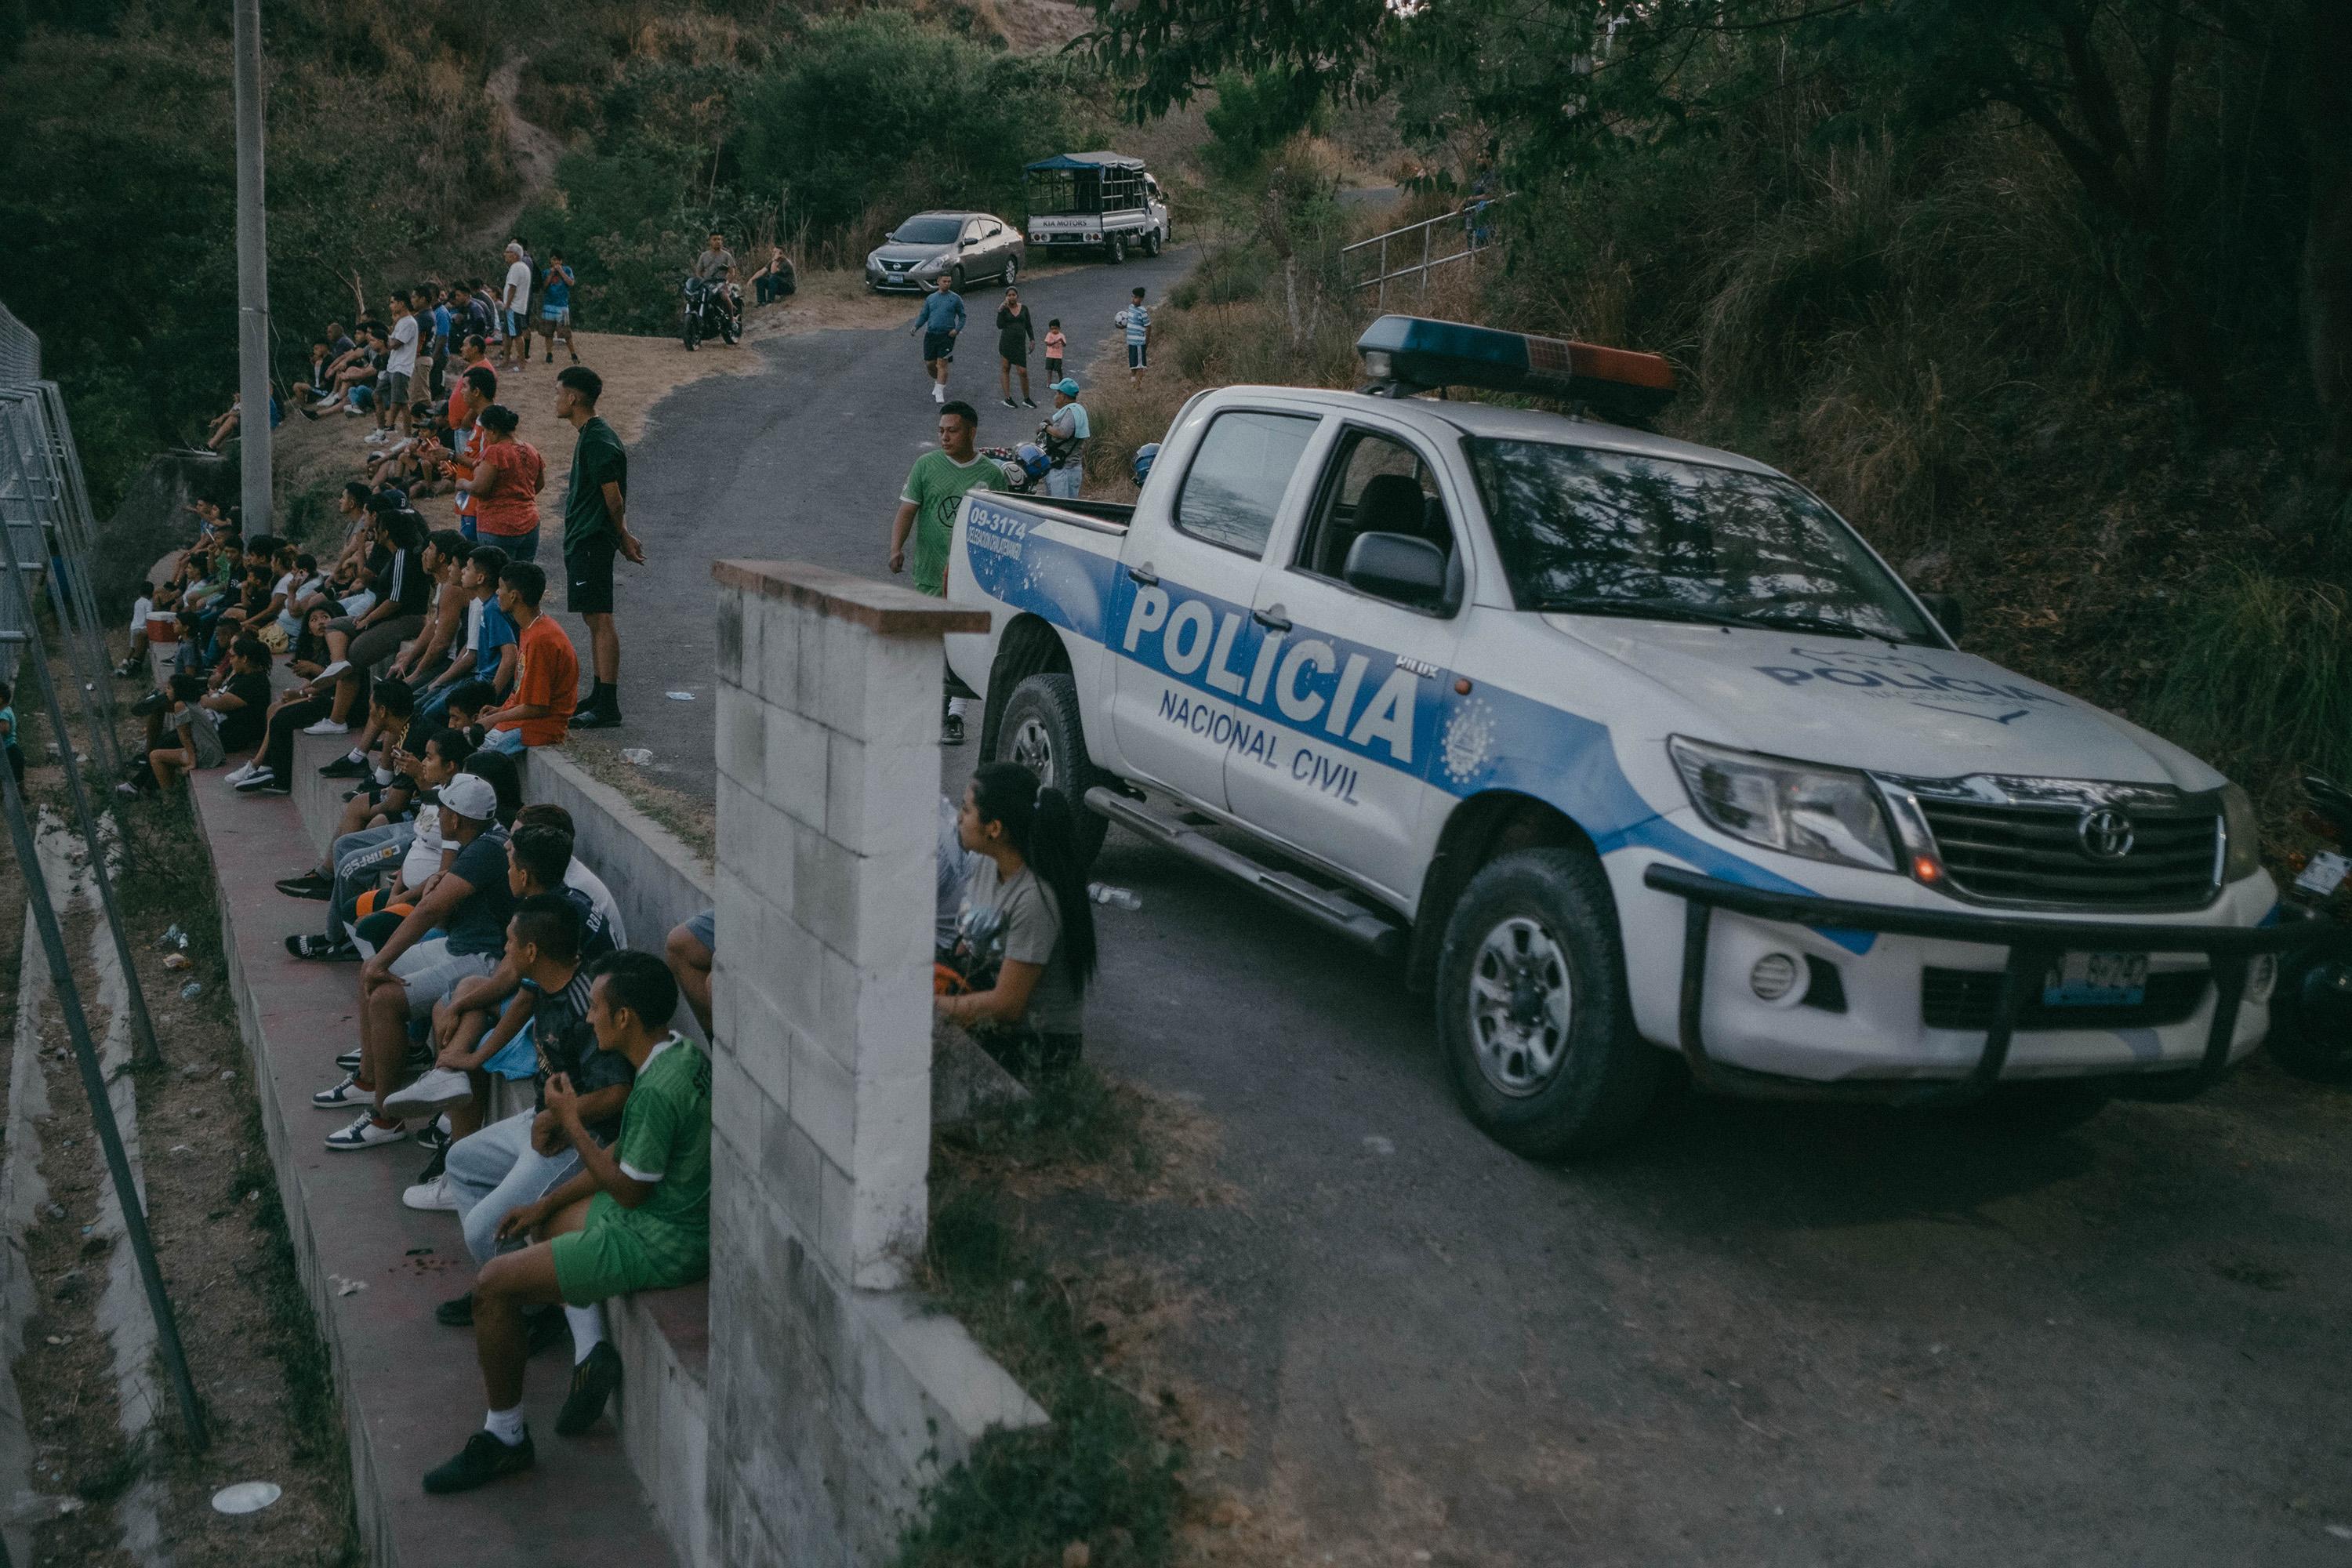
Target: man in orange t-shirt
539, 710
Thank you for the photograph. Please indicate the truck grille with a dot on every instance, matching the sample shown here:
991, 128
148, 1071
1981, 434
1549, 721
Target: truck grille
2035, 855
1966, 999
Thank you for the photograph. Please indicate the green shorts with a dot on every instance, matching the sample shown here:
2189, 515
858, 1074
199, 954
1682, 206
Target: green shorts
607, 1258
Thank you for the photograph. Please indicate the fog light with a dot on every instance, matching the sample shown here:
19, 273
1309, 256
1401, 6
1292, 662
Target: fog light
1774, 976
2261, 976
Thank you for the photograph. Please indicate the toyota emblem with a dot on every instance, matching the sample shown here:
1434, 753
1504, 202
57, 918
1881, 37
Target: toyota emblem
2104, 833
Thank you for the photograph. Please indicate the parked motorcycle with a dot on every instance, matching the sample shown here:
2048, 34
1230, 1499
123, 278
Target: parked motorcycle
2311, 1007
712, 311
1025, 465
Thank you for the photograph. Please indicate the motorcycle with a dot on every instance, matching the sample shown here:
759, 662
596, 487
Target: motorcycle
708, 312
2311, 1005
1025, 465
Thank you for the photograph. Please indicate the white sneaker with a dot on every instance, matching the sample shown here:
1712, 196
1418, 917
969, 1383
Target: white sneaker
238, 775
939, 392
328, 726
342, 1096
432, 1093
431, 1195
364, 1133
375, 437
259, 778
332, 671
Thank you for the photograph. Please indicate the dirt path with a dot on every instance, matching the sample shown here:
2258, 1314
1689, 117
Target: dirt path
536, 151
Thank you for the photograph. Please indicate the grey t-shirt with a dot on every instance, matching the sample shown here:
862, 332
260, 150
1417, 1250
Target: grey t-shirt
1029, 929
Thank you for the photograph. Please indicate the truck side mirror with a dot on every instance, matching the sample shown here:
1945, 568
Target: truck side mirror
1396, 566
1946, 608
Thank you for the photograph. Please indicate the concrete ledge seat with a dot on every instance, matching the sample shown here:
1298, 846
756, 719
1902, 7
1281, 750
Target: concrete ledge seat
374, 1270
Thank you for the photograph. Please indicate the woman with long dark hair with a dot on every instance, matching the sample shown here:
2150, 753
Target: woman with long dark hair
1026, 938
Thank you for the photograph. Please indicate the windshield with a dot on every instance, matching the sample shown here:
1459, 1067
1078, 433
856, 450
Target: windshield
1594, 532
927, 231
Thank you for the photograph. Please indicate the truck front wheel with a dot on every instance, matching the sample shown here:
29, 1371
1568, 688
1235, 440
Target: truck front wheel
1532, 1011
1040, 730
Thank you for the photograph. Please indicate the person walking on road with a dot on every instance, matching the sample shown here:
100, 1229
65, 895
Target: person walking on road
514, 306
1137, 320
936, 486
595, 529
940, 320
1014, 330
1067, 432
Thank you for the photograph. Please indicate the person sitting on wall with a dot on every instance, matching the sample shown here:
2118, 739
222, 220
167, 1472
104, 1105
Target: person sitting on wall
636, 1217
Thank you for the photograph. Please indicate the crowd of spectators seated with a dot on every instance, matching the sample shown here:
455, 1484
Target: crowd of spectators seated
503, 1021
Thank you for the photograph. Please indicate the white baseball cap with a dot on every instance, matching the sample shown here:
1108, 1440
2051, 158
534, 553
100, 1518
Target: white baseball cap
470, 796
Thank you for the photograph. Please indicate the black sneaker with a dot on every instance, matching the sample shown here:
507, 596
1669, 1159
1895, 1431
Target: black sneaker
596, 719
951, 730
482, 1460
308, 885
432, 1170
1028, 403
458, 1312
345, 767
593, 1383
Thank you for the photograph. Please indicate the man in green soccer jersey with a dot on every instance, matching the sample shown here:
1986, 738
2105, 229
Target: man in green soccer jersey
927, 511
636, 1217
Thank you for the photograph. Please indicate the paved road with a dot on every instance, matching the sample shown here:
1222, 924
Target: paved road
806, 460
1763, 1335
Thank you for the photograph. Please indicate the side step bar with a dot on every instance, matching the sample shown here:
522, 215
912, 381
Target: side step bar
1328, 909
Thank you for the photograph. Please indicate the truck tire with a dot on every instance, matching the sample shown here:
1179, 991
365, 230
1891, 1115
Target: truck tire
2308, 1035
1117, 245
1533, 1013
1151, 240
1041, 730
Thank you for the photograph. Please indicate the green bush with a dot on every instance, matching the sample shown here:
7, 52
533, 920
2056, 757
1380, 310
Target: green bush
1256, 112
875, 115
2260, 683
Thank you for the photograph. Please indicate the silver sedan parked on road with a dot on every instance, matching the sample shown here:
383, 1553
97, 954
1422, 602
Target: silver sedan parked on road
967, 246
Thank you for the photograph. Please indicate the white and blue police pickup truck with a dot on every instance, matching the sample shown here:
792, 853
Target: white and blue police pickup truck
1624, 746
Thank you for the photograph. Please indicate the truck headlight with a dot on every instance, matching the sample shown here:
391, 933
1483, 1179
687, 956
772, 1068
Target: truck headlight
1820, 813
2243, 855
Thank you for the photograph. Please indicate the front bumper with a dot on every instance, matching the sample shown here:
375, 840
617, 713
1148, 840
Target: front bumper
2032, 942
914, 280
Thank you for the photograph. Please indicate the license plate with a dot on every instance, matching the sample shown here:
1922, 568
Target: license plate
2325, 874
2097, 980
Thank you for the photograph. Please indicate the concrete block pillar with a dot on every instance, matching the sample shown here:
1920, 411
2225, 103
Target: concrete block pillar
835, 1396
828, 794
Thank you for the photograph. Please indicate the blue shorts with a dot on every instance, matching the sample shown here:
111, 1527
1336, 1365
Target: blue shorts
514, 323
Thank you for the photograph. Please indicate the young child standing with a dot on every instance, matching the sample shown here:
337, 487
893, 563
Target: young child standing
1137, 322
1055, 345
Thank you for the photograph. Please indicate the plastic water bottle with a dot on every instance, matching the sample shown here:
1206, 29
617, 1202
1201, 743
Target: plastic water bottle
1117, 898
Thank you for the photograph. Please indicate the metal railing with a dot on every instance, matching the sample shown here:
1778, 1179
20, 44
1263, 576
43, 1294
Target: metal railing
1473, 220
46, 533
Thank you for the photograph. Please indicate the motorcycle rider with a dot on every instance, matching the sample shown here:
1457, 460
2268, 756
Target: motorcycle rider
714, 266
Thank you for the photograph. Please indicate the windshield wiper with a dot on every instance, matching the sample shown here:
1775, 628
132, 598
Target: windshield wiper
1644, 610
1804, 621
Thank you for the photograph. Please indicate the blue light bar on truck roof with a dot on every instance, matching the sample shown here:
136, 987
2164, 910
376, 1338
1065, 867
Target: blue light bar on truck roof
1414, 353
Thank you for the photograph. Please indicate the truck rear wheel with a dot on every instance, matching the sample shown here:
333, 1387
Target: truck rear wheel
1040, 730
1532, 1010
1118, 248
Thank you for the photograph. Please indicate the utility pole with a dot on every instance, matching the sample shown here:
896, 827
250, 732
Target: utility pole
252, 275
